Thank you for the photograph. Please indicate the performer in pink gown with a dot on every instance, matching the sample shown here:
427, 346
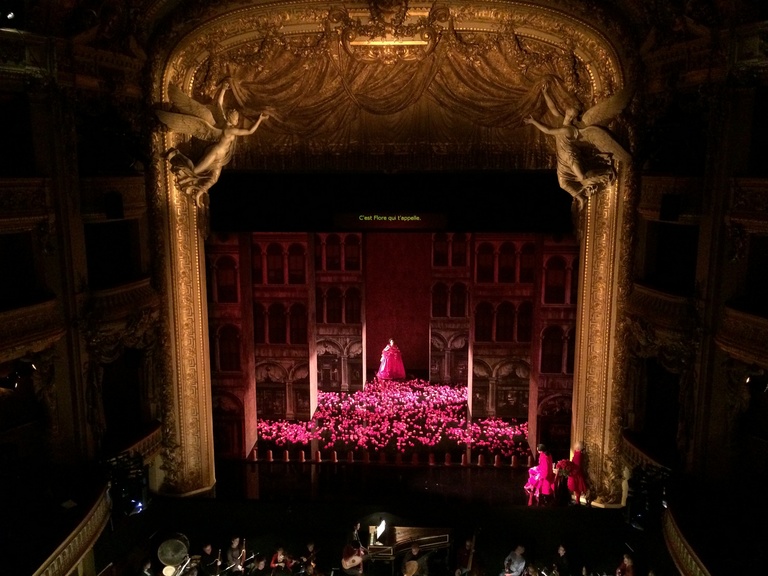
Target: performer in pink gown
541, 478
576, 482
391, 365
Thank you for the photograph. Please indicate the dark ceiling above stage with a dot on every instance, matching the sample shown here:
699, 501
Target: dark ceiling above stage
466, 201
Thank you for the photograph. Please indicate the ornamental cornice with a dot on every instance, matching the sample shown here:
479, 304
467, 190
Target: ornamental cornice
124, 316
665, 312
743, 336
749, 204
204, 43
25, 203
687, 61
26, 55
132, 191
655, 188
30, 329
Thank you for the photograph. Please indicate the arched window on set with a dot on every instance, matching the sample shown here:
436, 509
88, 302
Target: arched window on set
525, 322
459, 250
552, 350
226, 280
528, 263
229, 349
352, 253
259, 324
484, 274
257, 265
570, 359
554, 281
277, 333
507, 263
333, 308
505, 322
333, 252
458, 301
440, 250
484, 322
319, 306
275, 264
297, 264
298, 324
575, 281
352, 306
439, 300
318, 253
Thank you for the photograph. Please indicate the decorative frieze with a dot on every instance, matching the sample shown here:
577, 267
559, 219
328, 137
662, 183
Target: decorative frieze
25, 203
743, 336
656, 188
749, 205
30, 329
132, 192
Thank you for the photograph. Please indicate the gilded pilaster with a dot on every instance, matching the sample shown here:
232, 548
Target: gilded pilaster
598, 374
187, 465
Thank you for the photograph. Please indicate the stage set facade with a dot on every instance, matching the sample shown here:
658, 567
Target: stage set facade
649, 117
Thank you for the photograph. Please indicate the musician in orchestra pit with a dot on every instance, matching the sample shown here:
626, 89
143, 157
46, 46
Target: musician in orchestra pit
260, 567
514, 563
210, 563
354, 538
415, 561
146, 568
235, 558
307, 559
352, 560
463, 558
281, 563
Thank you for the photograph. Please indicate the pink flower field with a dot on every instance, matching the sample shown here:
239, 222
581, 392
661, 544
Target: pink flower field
406, 417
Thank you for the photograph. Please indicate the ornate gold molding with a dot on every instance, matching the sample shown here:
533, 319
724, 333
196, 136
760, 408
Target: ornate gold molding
132, 191
682, 552
25, 204
743, 336
749, 205
654, 188
30, 329
600, 371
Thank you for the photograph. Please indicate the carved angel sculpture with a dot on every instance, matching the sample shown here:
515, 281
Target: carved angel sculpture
212, 123
585, 149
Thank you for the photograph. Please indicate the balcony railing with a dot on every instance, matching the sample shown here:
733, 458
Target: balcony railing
80, 541
30, 329
743, 336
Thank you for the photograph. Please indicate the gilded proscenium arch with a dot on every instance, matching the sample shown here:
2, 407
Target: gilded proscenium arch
194, 54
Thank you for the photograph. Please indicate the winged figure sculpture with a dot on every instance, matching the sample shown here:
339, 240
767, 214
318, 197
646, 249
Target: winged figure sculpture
585, 148
212, 123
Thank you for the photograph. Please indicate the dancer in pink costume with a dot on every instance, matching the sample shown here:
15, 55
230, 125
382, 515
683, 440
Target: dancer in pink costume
541, 478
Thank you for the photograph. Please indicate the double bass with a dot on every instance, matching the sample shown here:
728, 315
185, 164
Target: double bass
472, 566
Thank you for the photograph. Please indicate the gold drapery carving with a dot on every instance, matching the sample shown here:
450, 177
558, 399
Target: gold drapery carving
470, 93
